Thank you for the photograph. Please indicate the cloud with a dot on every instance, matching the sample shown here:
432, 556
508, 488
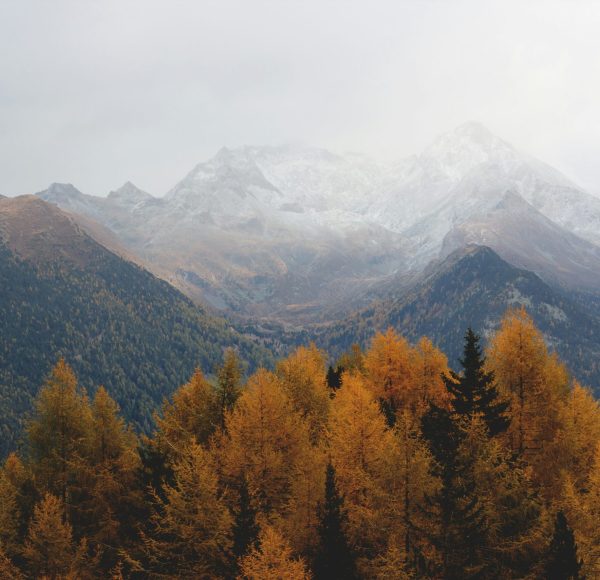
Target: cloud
96, 92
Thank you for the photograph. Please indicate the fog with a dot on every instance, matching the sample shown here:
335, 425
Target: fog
96, 93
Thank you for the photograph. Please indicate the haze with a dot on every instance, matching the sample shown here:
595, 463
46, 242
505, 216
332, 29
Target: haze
100, 92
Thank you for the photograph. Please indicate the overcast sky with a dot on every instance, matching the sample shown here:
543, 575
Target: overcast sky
97, 92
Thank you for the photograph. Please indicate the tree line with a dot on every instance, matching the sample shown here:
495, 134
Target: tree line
387, 464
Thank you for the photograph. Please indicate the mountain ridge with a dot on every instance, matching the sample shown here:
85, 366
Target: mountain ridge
64, 294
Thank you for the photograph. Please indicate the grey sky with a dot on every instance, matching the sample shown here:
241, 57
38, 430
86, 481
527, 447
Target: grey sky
99, 92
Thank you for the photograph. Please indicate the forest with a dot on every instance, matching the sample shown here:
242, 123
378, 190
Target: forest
384, 464
118, 325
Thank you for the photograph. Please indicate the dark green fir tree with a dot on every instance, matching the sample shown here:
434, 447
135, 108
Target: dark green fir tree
335, 558
562, 562
334, 377
458, 530
473, 391
245, 528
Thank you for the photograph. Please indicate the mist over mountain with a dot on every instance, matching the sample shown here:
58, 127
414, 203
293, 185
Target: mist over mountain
473, 287
290, 232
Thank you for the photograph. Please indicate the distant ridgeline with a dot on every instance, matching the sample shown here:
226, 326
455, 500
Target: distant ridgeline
115, 323
474, 287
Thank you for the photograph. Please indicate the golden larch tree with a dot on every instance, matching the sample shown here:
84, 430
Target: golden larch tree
191, 415
192, 524
536, 383
49, 549
59, 432
582, 508
431, 364
361, 448
272, 560
265, 439
391, 373
303, 377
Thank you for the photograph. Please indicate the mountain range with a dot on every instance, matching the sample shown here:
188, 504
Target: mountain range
291, 244
473, 287
290, 232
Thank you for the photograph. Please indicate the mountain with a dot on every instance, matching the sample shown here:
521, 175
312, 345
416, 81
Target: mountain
297, 233
526, 238
465, 174
65, 294
229, 237
474, 287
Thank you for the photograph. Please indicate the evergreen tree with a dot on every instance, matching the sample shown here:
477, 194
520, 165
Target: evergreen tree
334, 558
245, 528
562, 562
334, 377
229, 377
473, 391
458, 533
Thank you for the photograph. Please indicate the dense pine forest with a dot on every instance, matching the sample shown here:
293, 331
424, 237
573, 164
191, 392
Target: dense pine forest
386, 464
119, 325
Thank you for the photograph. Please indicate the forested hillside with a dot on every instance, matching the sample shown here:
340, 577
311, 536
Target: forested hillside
388, 466
473, 287
63, 294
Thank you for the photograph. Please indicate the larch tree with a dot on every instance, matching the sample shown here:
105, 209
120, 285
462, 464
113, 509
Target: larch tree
20, 494
272, 560
579, 434
49, 549
537, 385
59, 432
265, 438
410, 482
303, 378
352, 361
391, 374
361, 450
10, 516
581, 504
510, 504
473, 391
191, 415
306, 493
430, 368
229, 379
192, 525
107, 491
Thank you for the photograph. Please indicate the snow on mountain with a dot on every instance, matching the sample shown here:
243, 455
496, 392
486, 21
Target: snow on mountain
129, 195
255, 221
524, 237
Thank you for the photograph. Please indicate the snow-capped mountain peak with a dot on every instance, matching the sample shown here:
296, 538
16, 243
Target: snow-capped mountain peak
456, 153
129, 194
